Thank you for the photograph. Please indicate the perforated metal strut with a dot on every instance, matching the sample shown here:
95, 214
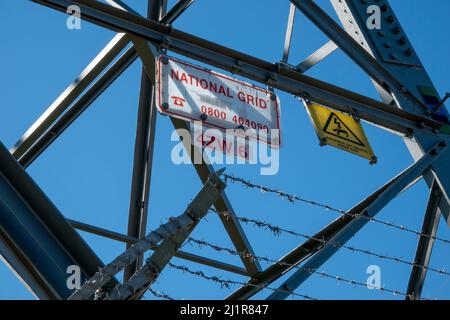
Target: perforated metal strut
172, 235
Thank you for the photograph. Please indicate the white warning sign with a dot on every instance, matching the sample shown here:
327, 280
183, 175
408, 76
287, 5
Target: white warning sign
193, 93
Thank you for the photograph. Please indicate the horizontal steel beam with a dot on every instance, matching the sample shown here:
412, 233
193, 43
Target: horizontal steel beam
251, 67
35, 239
144, 143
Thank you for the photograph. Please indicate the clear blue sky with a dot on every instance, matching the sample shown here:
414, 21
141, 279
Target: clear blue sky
87, 172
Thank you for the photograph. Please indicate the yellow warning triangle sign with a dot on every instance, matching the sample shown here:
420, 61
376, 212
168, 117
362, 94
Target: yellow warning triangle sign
336, 127
340, 130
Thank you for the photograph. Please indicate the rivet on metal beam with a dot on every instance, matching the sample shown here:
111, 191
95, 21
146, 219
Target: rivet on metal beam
166, 42
421, 124
396, 30
273, 77
408, 52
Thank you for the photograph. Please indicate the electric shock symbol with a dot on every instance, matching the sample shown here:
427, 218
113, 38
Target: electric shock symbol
339, 131
336, 127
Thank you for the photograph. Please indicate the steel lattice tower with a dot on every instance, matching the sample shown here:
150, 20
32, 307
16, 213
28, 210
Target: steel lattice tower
384, 53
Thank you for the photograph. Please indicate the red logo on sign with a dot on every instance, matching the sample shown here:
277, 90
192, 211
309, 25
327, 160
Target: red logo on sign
178, 101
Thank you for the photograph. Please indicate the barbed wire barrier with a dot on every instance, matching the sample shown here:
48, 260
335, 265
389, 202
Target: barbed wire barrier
292, 198
171, 235
226, 283
139, 282
203, 243
160, 294
276, 230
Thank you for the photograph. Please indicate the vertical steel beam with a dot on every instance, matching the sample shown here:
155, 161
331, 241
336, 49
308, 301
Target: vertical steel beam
425, 244
288, 37
143, 151
176, 11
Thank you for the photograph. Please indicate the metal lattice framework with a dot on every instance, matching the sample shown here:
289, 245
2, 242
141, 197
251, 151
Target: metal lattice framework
385, 54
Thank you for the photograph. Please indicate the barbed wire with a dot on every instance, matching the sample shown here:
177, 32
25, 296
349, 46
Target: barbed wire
159, 294
203, 243
276, 230
292, 198
226, 283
